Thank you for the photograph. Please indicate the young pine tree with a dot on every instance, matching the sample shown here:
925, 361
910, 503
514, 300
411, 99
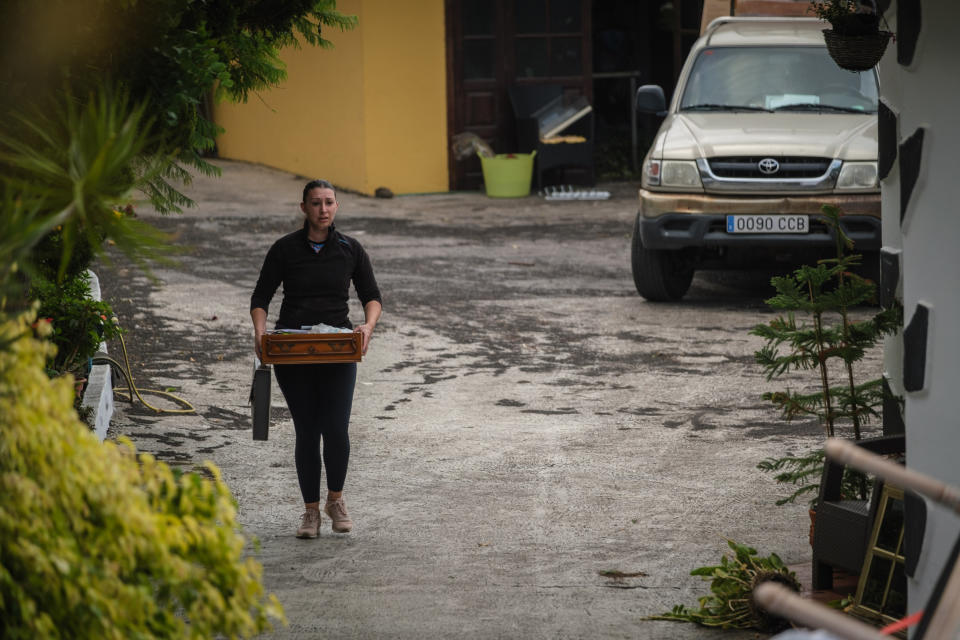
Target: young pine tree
830, 343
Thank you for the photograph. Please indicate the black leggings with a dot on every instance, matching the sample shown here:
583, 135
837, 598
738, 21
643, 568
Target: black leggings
319, 397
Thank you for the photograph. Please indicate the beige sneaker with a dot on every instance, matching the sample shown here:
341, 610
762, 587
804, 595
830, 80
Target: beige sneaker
337, 510
310, 524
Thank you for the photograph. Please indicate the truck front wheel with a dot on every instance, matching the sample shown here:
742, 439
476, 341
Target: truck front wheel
660, 275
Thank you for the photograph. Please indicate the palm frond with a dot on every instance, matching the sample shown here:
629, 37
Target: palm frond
71, 163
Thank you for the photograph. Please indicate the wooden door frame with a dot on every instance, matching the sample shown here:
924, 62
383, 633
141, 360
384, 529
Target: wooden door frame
583, 83
449, 9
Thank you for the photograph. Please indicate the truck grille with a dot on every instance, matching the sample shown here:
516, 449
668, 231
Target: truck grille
749, 167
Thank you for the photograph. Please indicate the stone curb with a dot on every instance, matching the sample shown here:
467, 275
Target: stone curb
98, 396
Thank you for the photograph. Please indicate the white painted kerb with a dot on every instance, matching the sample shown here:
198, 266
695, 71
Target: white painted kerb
98, 395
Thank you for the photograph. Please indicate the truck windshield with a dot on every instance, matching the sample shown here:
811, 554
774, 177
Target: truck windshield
776, 79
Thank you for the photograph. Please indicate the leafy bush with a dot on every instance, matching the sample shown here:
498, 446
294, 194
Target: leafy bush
730, 604
79, 322
174, 53
65, 173
99, 542
47, 256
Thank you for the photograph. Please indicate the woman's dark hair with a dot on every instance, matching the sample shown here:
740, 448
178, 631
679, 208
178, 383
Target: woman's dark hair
317, 184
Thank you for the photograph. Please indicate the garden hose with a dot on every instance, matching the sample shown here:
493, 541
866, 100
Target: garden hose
132, 390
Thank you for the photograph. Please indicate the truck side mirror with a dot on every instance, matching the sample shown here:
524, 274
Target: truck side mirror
650, 100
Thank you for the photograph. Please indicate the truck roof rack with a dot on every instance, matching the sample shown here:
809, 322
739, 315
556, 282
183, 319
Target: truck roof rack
722, 20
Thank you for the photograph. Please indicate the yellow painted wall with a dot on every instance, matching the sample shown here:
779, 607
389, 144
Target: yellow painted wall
405, 85
370, 112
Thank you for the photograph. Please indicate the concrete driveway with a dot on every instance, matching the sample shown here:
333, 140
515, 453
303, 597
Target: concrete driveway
523, 423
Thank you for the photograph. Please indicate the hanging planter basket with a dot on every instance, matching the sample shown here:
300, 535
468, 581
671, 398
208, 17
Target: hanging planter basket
856, 53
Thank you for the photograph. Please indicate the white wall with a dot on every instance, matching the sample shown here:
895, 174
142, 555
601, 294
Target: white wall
927, 94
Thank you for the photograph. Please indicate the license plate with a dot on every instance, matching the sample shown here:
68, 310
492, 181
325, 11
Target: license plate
768, 224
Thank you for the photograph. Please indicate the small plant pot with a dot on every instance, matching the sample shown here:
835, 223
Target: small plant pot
856, 53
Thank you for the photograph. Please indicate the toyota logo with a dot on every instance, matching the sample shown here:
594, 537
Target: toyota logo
768, 166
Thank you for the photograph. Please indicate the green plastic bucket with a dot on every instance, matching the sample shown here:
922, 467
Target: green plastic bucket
507, 175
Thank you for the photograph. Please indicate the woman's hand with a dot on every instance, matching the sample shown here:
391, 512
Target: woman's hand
259, 317
257, 340
366, 331
371, 312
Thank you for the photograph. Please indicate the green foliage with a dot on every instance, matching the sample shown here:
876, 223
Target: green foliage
825, 293
98, 542
845, 16
66, 168
174, 54
730, 603
78, 322
23, 223
803, 471
831, 10
47, 256
104, 97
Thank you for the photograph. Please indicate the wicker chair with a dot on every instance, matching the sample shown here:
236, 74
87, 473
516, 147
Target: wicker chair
842, 528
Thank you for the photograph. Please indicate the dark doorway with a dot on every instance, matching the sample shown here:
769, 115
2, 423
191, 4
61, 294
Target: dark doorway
601, 49
635, 43
492, 44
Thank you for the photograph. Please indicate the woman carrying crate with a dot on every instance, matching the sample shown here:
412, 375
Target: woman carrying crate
316, 264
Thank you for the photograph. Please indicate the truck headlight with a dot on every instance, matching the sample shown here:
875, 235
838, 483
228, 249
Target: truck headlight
858, 175
682, 174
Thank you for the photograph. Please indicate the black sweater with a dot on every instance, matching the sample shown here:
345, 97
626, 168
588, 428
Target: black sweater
316, 286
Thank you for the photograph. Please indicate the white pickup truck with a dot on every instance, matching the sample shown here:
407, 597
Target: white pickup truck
762, 130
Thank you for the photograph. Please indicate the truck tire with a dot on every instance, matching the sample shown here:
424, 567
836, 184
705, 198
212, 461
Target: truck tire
660, 275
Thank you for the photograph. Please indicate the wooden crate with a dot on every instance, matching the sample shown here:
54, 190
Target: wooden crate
310, 348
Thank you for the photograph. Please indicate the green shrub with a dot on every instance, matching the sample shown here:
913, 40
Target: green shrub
99, 542
47, 256
730, 604
79, 322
